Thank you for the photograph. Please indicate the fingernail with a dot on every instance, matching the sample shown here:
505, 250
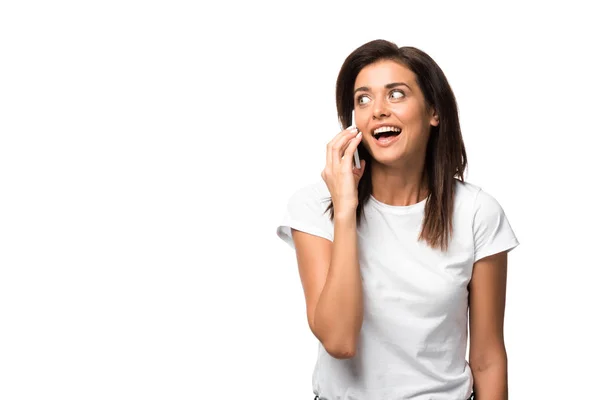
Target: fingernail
353, 129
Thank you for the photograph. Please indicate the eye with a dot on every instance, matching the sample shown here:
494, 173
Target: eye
396, 92
359, 99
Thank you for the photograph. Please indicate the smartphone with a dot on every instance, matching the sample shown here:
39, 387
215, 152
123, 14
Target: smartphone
356, 158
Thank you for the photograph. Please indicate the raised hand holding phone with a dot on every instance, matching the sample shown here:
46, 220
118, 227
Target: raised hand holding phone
356, 158
340, 175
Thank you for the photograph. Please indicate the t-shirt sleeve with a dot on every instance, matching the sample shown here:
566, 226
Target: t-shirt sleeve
492, 232
306, 212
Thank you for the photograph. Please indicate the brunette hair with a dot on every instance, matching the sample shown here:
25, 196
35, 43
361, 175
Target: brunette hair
445, 158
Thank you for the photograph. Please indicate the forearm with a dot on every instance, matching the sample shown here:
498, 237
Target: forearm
491, 380
339, 311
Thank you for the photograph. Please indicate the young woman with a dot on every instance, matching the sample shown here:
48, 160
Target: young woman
397, 255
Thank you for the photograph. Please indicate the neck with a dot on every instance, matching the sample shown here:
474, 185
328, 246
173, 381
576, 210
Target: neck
399, 186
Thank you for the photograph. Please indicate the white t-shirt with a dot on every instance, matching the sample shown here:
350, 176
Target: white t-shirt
413, 340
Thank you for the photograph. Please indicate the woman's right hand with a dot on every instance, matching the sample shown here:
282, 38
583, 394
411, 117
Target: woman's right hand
340, 175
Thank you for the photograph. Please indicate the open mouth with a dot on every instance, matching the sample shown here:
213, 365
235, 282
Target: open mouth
386, 132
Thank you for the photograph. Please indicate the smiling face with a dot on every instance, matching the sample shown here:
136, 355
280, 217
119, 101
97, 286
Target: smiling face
386, 95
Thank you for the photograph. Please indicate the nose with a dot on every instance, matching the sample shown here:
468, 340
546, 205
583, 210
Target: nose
380, 109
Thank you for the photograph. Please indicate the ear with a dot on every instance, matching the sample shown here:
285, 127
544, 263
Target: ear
435, 119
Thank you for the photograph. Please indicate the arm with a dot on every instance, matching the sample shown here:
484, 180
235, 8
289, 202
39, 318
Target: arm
332, 286
487, 353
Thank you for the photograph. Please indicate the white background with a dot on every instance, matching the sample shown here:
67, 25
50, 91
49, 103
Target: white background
148, 150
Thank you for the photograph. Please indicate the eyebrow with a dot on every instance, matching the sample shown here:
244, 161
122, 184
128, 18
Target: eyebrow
388, 86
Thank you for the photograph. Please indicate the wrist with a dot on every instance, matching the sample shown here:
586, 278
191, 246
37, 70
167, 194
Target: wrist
344, 216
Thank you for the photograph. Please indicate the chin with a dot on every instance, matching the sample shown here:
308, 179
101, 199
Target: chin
390, 160
387, 155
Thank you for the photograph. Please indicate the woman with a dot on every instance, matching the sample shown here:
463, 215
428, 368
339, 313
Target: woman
409, 251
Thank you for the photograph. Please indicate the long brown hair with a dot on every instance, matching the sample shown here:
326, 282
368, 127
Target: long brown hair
445, 158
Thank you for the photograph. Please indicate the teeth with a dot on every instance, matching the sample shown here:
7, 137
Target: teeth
386, 129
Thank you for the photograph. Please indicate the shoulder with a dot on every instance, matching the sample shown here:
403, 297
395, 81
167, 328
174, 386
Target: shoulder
314, 193
306, 212
491, 229
466, 191
475, 198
